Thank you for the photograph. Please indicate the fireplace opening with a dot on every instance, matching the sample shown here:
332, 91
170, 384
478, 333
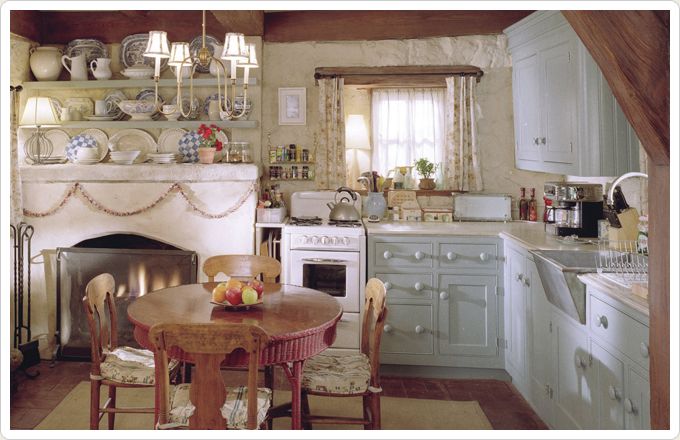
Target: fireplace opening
138, 264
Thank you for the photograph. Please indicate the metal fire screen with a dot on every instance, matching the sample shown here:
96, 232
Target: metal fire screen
136, 271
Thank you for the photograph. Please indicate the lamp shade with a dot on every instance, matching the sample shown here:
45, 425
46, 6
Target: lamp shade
252, 58
39, 111
235, 48
157, 46
356, 134
178, 53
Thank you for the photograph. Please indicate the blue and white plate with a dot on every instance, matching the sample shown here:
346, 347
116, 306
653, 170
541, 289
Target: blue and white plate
213, 97
91, 47
187, 104
188, 146
150, 95
211, 43
79, 141
132, 52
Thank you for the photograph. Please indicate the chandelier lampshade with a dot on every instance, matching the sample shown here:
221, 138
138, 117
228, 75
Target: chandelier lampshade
178, 53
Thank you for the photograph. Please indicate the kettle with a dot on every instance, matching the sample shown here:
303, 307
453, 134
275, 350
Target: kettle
343, 211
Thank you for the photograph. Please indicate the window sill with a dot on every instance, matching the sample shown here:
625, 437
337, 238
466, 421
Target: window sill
422, 192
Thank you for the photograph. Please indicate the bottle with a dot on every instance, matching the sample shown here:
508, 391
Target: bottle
398, 179
548, 213
533, 211
643, 235
523, 204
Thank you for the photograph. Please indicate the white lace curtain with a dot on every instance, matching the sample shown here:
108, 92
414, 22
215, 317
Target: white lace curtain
462, 166
407, 124
330, 153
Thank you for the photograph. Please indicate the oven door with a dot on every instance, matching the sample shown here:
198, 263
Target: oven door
335, 273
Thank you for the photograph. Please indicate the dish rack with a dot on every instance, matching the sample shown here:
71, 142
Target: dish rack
620, 262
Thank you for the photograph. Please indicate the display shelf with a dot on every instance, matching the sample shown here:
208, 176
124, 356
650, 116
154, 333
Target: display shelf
291, 163
155, 124
124, 83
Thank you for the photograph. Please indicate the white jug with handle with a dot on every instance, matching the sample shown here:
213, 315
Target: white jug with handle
100, 68
78, 69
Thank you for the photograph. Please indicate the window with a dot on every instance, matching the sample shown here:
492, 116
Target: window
407, 124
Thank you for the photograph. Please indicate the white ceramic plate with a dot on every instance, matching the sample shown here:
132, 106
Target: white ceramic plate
168, 140
133, 139
59, 140
102, 141
132, 52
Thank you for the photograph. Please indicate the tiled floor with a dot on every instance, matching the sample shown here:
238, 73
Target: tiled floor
503, 405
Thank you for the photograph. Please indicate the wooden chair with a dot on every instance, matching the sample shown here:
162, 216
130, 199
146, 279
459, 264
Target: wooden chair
206, 403
351, 375
243, 266
112, 365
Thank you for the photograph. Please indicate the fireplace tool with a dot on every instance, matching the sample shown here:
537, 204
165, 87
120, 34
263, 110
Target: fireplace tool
22, 235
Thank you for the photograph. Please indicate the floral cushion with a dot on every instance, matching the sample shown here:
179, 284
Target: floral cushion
337, 373
131, 365
234, 410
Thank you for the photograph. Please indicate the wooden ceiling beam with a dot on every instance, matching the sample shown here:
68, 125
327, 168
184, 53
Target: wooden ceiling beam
246, 22
291, 26
28, 24
397, 76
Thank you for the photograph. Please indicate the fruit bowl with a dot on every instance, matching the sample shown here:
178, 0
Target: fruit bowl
238, 307
236, 294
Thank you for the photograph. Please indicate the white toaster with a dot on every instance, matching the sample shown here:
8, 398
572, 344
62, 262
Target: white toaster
482, 207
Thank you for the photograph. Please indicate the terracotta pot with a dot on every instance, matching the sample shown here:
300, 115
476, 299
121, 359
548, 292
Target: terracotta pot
427, 184
206, 155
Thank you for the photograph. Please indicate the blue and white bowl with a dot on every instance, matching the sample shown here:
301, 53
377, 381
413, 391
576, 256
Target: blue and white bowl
188, 146
80, 141
139, 110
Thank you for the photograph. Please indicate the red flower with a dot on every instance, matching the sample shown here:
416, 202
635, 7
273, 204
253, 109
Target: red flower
213, 126
207, 133
218, 145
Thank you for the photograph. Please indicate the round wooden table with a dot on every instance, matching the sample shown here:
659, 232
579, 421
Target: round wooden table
301, 322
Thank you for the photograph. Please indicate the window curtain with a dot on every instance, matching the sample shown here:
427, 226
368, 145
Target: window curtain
330, 154
16, 198
407, 124
462, 164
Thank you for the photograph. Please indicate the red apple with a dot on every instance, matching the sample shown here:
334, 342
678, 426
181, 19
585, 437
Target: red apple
258, 286
234, 296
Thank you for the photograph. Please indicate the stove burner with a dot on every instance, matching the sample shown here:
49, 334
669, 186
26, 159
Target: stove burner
345, 223
305, 221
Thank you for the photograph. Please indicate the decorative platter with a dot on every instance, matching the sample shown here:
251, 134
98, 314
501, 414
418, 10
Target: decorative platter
133, 139
84, 105
238, 104
132, 52
150, 95
195, 105
91, 47
228, 306
213, 97
211, 43
112, 98
168, 140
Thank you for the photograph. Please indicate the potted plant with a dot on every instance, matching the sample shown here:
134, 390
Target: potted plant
209, 143
425, 168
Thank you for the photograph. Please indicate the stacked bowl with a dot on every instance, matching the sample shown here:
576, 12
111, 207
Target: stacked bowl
124, 157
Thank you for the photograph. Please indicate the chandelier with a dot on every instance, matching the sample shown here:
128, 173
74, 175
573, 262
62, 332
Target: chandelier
236, 51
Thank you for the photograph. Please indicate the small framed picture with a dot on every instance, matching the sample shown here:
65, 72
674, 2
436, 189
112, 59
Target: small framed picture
292, 106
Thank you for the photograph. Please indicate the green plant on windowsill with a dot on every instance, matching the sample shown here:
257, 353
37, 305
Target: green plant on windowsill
425, 168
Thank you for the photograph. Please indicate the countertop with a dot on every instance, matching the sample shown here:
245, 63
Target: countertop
616, 291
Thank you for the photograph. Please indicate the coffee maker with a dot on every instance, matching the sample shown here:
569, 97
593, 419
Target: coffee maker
576, 208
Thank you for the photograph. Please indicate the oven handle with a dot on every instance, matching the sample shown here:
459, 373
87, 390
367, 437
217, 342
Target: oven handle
325, 260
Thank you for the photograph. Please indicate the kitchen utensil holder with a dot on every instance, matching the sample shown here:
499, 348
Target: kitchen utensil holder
620, 262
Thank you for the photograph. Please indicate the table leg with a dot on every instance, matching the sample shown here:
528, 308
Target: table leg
295, 379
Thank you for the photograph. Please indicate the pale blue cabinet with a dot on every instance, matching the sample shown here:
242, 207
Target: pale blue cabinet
515, 306
636, 402
526, 97
408, 330
609, 395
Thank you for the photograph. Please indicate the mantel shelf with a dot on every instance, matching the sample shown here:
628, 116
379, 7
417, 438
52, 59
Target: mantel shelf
125, 83
156, 124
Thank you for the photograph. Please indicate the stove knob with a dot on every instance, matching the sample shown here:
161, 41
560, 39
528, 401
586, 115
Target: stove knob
334, 240
345, 240
315, 239
324, 240
306, 239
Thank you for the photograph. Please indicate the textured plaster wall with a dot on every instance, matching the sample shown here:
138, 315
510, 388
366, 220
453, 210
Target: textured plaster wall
293, 64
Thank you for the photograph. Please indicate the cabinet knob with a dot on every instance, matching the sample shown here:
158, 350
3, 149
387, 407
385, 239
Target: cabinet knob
629, 407
543, 140
444, 295
483, 257
387, 255
420, 329
387, 285
525, 281
451, 256
387, 328
419, 255
644, 350
547, 389
613, 393
418, 286
602, 321
535, 141
519, 276
580, 363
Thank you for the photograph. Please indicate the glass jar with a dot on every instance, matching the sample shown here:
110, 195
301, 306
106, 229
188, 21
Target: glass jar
234, 152
246, 155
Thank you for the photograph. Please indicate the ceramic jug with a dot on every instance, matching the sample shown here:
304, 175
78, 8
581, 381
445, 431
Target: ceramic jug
45, 63
214, 68
214, 110
101, 68
78, 69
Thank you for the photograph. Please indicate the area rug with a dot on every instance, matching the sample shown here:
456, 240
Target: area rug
397, 413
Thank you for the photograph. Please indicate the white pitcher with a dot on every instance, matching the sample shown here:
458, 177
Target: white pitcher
78, 69
101, 68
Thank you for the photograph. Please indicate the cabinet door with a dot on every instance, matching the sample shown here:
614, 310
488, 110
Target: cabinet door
408, 330
540, 347
609, 395
514, 313
558, 107
636, 402
574, 407
467, 315
526, 100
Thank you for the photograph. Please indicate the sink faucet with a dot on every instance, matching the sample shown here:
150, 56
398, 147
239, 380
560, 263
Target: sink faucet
621, 178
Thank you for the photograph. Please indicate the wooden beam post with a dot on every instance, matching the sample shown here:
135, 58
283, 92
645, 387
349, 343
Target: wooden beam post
246, 22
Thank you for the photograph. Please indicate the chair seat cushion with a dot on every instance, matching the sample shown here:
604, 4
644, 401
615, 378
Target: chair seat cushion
131, 366
234, 410
337, 373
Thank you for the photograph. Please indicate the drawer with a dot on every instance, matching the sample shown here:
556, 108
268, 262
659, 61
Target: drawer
468, 256
407, 286
408, 330
348, 331
619, 330
403, 254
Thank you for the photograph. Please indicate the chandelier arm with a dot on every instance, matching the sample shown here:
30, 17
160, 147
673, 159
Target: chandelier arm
180, 100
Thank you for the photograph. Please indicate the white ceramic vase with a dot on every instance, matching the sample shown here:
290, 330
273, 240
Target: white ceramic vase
45, 63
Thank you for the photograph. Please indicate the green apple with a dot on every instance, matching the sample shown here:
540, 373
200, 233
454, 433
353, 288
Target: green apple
249, 295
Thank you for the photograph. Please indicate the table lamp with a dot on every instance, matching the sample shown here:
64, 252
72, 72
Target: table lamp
356, 138
38, 113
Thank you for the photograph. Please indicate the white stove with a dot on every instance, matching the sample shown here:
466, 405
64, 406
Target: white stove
322, 255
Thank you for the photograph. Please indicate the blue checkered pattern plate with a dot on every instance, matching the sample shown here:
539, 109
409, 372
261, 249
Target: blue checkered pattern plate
79, 141
188, 146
